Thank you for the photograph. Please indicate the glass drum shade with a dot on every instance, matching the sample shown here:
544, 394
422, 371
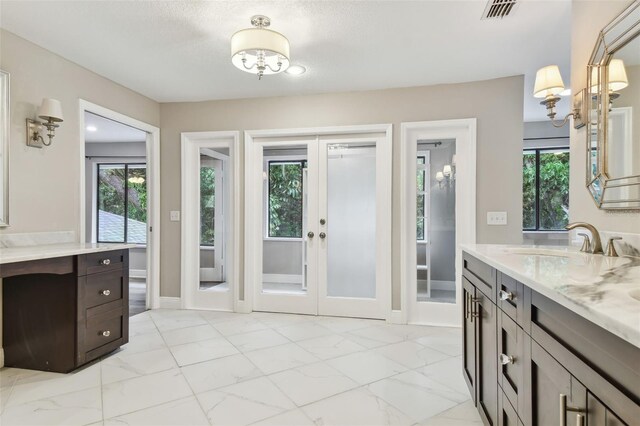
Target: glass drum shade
548, 82
252, 42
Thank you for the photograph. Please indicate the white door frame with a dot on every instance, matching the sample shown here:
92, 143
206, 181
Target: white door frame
253, 211
464, 132
153, 190
191, 142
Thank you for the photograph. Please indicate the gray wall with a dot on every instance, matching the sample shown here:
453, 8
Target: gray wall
47, 180
499, 148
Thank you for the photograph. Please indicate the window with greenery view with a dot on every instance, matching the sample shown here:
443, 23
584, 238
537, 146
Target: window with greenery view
207, 205
420, 201
285, 198
122, 203
545, 188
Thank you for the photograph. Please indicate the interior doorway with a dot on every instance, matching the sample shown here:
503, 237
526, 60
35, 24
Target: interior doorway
121, 184
116, 195
318, 231
209, 227
438, 163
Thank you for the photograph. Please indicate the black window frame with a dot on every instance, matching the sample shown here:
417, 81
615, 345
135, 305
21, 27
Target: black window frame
126, 200
537, 198
303, 165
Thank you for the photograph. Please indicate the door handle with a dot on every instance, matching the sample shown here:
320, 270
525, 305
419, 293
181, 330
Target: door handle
322, 235
474, 313
310, 234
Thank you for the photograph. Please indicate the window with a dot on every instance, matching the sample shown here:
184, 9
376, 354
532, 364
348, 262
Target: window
207, 204
122, 203
285, 198
545, 189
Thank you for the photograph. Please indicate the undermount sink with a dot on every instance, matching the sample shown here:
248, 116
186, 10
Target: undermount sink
635, 294
532, 251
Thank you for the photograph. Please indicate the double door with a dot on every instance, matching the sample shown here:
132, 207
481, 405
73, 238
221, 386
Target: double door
321, 215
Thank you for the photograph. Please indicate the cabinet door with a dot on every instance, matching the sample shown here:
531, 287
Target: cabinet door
510, 359
599, 415
549, 384
468, 337
486, 358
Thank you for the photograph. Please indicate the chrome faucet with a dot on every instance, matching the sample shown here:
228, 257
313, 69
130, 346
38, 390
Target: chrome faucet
596, 245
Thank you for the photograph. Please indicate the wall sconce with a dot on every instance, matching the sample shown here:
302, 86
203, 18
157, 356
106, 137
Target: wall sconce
549, 85
51, 112
447, 175
617, 80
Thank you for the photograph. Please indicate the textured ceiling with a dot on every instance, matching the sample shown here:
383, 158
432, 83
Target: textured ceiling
179, 50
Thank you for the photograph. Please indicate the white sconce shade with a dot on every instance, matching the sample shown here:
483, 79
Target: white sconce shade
439, 177
447, 170
51, 110
617, 75
548, 82
453, 159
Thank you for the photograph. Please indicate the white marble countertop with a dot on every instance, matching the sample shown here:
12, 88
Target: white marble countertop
604, 290
46, 251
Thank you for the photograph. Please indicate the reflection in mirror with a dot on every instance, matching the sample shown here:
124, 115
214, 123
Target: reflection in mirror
4, 148
613, 147
213, 227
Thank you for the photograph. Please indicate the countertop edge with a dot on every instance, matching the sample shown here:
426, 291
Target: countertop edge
603, 321
55, 250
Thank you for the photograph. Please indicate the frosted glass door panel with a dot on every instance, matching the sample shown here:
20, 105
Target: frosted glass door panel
284, 264
351, 221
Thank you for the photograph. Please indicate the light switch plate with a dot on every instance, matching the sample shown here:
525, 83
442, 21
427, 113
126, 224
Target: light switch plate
174, 216
496, 218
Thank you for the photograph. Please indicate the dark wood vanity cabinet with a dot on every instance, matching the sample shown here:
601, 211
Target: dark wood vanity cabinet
529, 361
60, 313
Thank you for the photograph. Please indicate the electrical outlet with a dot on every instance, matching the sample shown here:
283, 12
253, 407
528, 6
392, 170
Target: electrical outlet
496, 218
174, 216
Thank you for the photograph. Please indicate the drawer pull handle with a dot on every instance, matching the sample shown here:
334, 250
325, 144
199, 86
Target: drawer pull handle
564, 409
105, 292
474, 312
105, 262
506, 295
106, 333
506, 359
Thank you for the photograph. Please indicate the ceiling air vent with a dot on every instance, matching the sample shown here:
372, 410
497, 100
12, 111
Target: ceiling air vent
498, 9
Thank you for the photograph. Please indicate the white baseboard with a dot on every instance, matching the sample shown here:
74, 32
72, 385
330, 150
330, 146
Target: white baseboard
396, 317
210, 274
170, 303
243, 307
282, 278
138, 273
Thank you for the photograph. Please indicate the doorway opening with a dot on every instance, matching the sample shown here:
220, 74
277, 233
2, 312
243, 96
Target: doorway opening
438, 215
209, 228
116, 195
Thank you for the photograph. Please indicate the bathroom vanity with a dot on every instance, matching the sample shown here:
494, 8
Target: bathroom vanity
63, 305
551, 336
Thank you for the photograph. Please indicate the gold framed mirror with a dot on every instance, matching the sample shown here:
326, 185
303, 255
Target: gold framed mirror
613, 86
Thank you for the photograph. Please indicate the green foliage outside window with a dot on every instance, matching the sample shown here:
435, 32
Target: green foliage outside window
207, 206
545, 171
285, 199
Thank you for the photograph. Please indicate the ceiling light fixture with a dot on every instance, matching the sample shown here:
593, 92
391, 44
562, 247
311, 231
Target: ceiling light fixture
259, 50
296, 70
91, 128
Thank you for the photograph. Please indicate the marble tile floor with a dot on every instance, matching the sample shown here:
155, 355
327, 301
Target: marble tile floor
200, 368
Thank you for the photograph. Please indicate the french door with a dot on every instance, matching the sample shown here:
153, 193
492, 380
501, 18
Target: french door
324, 226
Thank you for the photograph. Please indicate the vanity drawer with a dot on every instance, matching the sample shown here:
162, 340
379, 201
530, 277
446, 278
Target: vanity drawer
104, 288
481, 275
510, 297
95, 263
103, 329
511, 359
